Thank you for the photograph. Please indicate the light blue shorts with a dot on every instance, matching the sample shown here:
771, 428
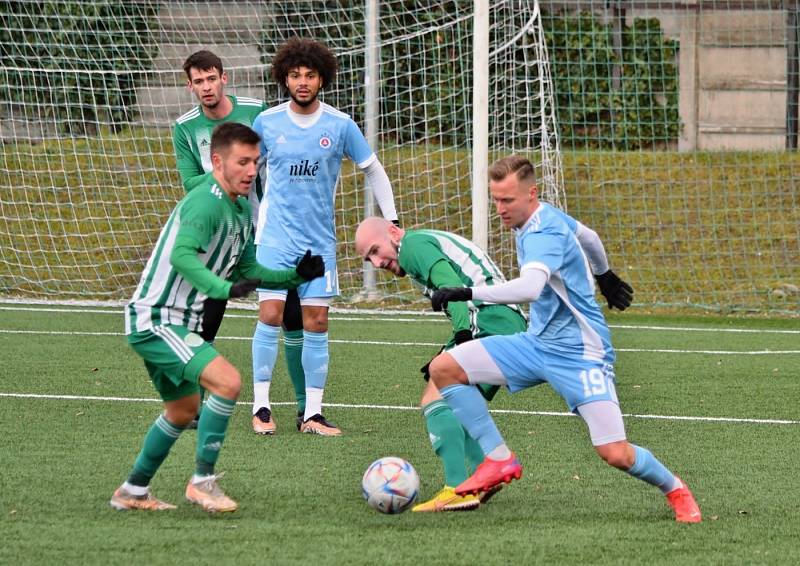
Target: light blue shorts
321, 287
520, 361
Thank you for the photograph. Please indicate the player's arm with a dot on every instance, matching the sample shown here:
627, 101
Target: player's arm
309, 267
524, 289
184, 258
616, 291
442, 275
357, 149
190, 171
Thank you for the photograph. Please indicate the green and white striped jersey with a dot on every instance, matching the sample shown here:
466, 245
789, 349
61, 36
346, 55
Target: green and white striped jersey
191, 136
420, 250
220, 231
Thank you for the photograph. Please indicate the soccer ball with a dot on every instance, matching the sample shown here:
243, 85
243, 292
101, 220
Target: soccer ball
390, 485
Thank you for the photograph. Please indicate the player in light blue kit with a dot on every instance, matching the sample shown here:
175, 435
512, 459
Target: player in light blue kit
567, 345
304, 141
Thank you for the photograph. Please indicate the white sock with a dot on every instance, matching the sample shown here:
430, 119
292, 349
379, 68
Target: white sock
500, 453
136, 490
261, 395
313, 402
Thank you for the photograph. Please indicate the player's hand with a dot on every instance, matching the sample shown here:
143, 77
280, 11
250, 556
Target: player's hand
445, 295
462, 336
615, 290
310, 266
243, 287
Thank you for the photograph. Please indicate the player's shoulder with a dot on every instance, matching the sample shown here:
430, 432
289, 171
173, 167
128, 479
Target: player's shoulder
249, 101
188, 116
206, 190
273, 112
547, 219
335, 113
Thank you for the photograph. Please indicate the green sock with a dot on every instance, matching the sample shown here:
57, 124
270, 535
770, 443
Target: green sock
447, 439
157, 443
473, 451
293, 348
211, 429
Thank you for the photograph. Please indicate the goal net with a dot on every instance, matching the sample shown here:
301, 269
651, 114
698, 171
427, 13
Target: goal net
87, 157
661, 124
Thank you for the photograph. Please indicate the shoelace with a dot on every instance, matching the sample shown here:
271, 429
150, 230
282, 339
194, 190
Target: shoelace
264, 414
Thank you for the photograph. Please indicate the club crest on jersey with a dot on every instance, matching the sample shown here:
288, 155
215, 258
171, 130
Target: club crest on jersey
325, 141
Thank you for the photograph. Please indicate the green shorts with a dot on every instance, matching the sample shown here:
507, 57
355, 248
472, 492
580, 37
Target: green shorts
174, 357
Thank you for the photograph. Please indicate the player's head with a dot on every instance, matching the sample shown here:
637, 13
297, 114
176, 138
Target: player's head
234, 156
378, 242
206, 78
302, 67
512, 183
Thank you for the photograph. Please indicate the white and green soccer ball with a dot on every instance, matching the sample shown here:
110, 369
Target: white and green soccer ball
390, 485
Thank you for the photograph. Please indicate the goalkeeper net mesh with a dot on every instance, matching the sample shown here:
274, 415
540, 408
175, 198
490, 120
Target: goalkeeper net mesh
643, 141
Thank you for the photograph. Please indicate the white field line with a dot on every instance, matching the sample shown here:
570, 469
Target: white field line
431, 344
426, 317
410, 408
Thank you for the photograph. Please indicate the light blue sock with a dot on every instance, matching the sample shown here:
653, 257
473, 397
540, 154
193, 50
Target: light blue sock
471, 410
315, 359
265, 352
647, 468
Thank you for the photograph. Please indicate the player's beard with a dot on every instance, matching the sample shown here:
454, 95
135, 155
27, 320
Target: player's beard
303, 103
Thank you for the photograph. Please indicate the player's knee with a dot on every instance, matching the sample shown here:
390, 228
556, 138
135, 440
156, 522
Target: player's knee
617, 455
270, 312
445, 371
231, 385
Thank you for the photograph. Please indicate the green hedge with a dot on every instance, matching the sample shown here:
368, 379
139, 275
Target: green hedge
78, 62
642, 112
429, 93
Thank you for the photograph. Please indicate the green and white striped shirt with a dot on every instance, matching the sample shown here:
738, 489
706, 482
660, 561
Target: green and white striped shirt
219, 232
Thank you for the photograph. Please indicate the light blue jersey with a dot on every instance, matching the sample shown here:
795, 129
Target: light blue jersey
565, 318
302, 168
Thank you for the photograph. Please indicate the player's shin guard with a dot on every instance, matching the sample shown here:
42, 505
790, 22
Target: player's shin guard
293, 348
157, 443
447, 438
647, 468
211, 432
472, 411
265, 352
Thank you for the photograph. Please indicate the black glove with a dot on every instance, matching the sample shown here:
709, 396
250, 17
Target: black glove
426, 369
243, 287
443, 296
615, 290
462, 336
310, 266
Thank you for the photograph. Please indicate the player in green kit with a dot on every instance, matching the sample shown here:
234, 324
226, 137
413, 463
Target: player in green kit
207, 238
436, 259
191, 137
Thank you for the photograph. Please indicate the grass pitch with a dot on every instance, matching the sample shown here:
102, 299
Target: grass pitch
714, 398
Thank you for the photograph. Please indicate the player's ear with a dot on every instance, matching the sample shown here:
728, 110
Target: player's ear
216, 160
224, 77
